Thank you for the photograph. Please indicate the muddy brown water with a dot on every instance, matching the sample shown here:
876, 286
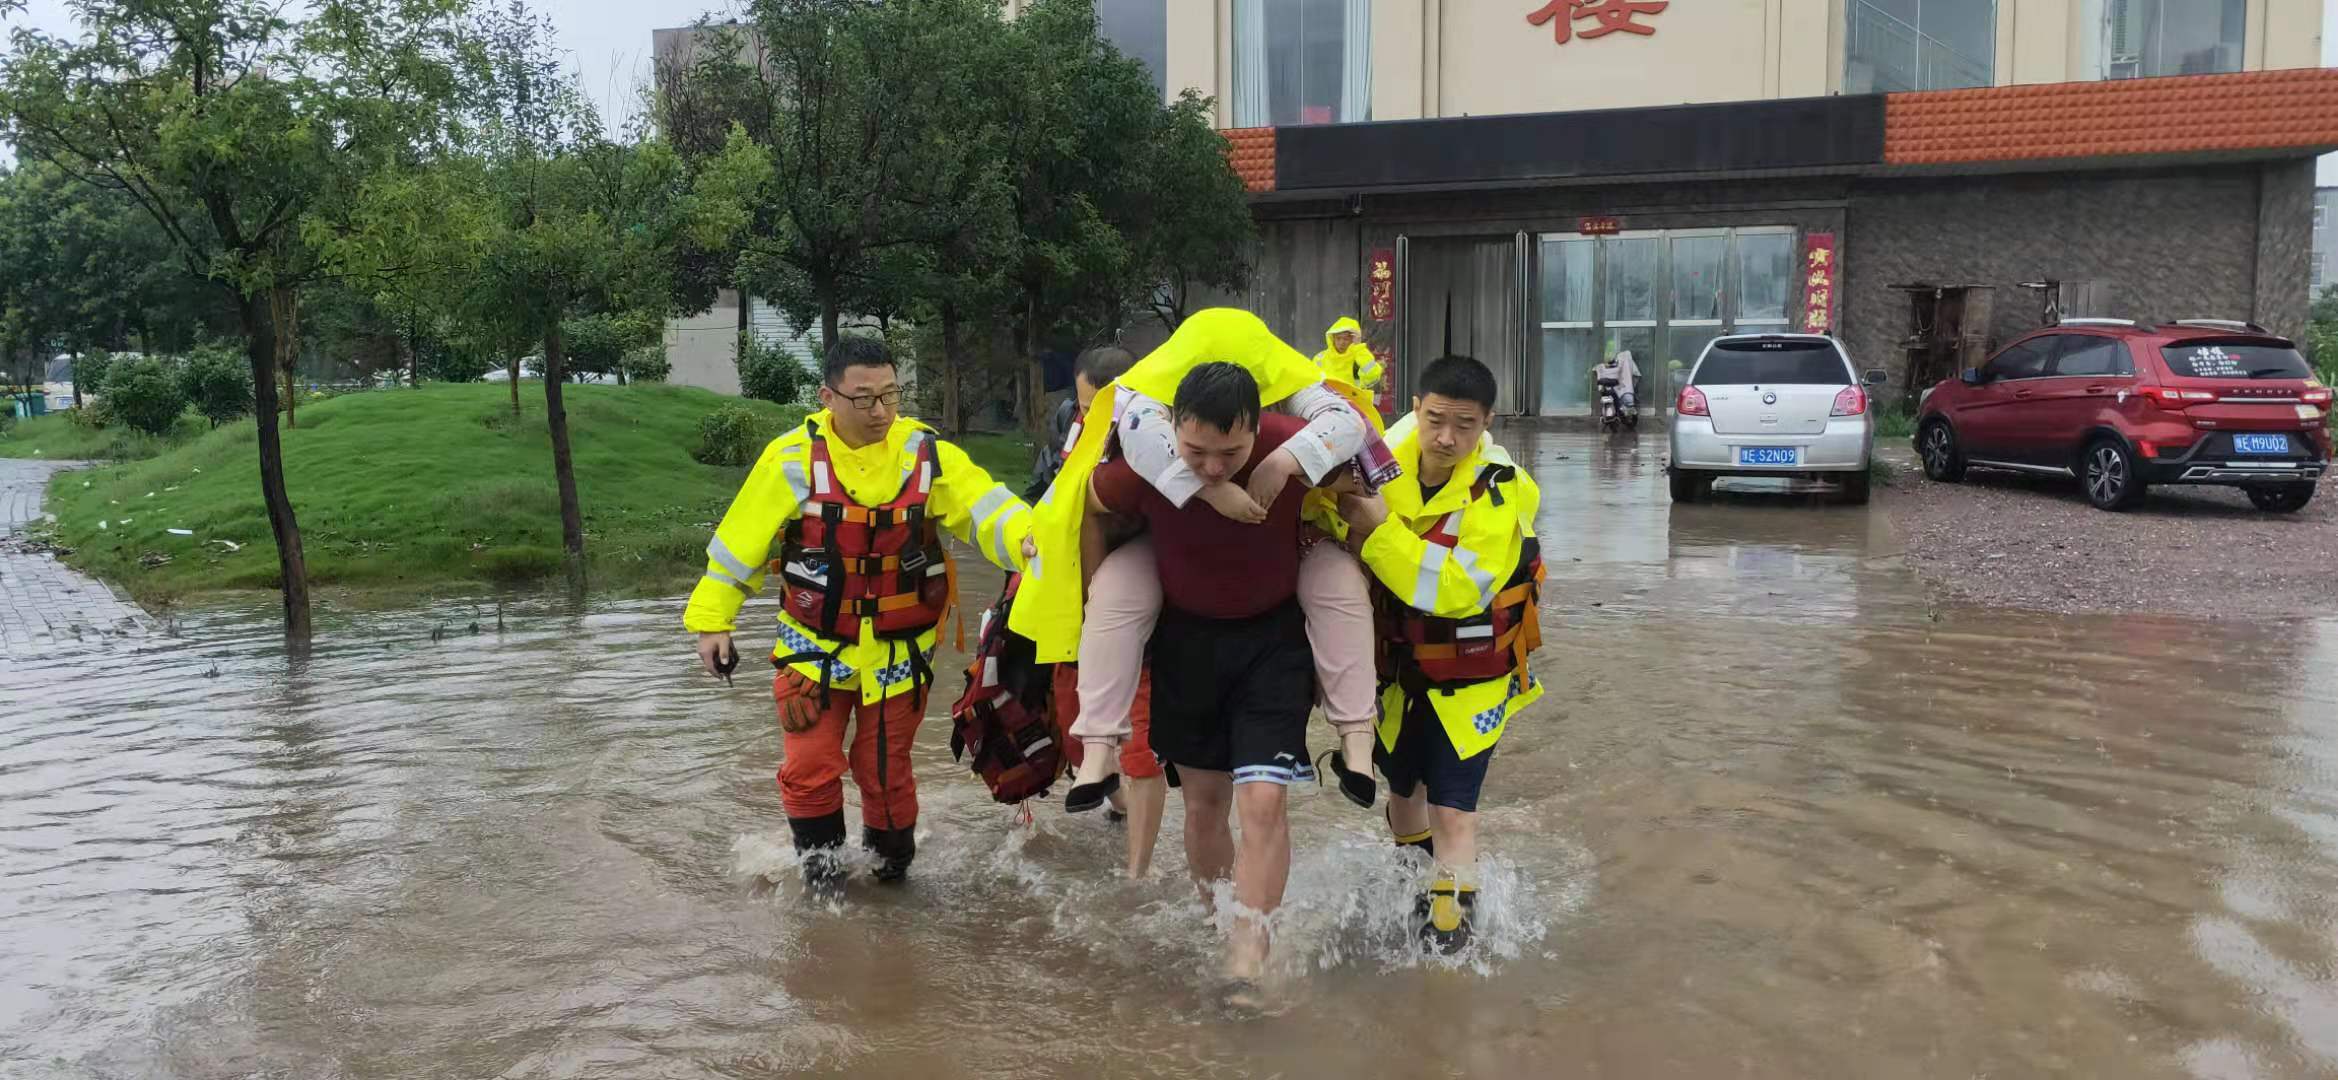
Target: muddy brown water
1779, 816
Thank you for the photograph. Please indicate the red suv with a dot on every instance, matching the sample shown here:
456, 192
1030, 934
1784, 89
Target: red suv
2123, 406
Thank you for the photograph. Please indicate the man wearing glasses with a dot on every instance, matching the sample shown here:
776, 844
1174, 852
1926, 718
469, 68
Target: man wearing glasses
846, 512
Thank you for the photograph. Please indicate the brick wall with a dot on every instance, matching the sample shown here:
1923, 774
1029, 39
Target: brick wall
2169, 244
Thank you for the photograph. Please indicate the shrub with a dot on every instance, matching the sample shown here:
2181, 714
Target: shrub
146, 395
730, 435
89, 372
218, 381
768, 374
648, 364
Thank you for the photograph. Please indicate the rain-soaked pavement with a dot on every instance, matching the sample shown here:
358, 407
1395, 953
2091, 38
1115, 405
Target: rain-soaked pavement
1778, 817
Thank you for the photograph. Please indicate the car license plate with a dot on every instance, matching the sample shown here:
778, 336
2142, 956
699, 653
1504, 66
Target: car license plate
2260, 444
1768, 455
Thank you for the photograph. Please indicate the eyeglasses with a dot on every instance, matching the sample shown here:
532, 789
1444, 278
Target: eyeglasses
865, 402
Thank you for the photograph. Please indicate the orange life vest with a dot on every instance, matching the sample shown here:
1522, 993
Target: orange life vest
1488, 645
841, 562
1002, 726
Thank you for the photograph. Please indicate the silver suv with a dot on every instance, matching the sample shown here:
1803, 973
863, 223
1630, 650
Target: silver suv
1773, 405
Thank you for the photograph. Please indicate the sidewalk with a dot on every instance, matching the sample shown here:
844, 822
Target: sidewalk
43, 602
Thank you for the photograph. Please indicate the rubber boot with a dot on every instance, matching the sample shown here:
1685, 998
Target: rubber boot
1445, 912
820, 848
894, 849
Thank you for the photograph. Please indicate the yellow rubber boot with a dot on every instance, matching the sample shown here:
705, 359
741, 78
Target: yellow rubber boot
1445, 910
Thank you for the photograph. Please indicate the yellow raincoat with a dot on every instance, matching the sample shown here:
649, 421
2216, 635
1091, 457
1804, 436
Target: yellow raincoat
1356, 366
964, 499
1048, 608
1453, 582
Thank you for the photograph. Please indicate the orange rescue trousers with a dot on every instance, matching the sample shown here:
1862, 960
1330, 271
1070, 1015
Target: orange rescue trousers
811, 776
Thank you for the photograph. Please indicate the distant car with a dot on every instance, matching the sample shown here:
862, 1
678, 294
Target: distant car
1773, 405
2123, 406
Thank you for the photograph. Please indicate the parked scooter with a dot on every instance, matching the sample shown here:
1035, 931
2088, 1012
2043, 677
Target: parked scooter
1612, 413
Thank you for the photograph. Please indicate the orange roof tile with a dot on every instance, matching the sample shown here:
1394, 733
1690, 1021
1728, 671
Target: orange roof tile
2258, 110
1252, 153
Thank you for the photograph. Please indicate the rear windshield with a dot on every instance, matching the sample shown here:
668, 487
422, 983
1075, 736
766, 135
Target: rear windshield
2233, 360
1737, 363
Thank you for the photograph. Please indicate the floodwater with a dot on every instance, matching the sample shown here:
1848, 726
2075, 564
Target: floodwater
1778, 817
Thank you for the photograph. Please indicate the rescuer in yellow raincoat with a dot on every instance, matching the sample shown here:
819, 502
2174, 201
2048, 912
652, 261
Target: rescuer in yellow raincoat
1345, 359
1450, 546
846, 512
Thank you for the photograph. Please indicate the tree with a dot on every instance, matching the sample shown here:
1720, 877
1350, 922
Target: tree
568, 223
244, 134
1078, 118
1200, 234
839, 97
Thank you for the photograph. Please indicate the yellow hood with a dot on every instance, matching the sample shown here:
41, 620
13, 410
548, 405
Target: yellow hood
1347, 325
1048, 607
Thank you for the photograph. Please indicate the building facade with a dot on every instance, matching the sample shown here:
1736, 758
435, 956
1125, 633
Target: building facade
1542, 185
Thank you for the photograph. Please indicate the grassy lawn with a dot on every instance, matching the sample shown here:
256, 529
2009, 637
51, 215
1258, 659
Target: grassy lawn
406, 490
1005, 456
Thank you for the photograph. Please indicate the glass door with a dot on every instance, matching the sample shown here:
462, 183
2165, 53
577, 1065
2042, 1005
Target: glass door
1635, 289
1700, 308
1570, 338
1662, 295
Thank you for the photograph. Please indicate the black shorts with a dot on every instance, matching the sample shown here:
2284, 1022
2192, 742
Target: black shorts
1232, 695
1424, 754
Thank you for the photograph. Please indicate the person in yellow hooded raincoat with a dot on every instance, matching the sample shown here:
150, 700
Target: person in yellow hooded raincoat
1451, 549
1066, 619
1345, 359
846, 512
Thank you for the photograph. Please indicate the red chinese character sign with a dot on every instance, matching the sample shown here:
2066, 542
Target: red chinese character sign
1819, 278
1381, 291
1604, 16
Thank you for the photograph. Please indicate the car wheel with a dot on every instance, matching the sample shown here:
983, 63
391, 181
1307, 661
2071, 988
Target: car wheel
1688, 487
1944, 460
1856, 488
2110, 477
2286, 499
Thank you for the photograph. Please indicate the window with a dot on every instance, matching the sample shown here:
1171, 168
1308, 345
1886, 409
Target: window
2089, 355
2024, 361
1764, 363
1302, 62
2234, 360
2144, 38
1898, 45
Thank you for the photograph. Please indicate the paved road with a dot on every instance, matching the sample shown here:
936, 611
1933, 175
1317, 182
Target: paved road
43, 602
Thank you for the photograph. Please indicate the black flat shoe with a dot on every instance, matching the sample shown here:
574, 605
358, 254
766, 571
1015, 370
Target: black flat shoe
1085, 797
1359, 787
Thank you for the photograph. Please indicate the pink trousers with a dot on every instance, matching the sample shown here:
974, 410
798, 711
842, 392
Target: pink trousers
1125, 597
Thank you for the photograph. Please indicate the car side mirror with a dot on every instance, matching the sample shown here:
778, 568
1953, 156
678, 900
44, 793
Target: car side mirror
1875, 377
1972, 377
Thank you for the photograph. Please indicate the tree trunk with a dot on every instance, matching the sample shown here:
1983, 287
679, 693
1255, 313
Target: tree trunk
828, 321
76, 379
413, 351
563, 465
1035, 404
512, 367
283, 317
953, 363
260, 349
